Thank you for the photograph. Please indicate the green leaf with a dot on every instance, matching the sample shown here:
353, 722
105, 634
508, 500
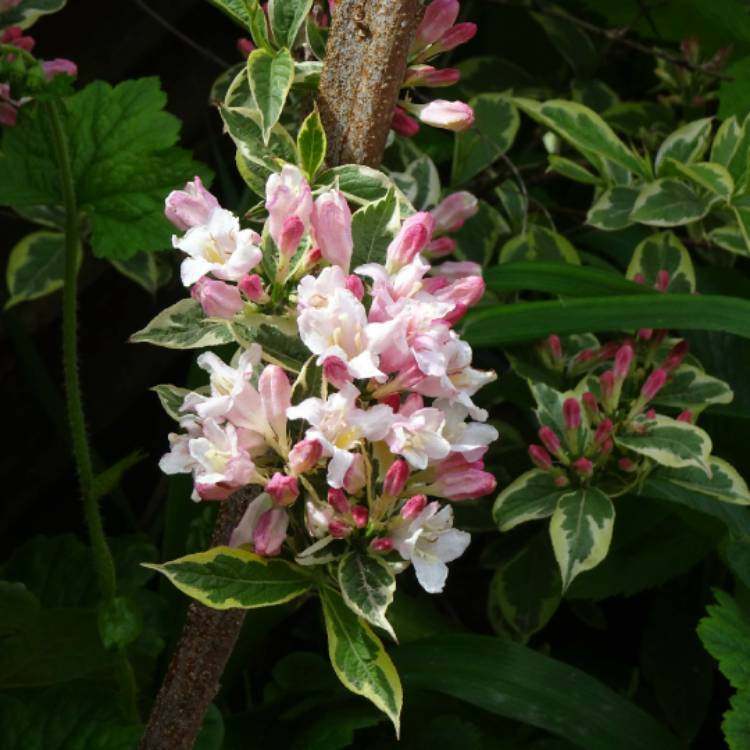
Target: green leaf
669, 203
531, 496
278, 342
526, 587
316, 38
730, 238
611, 210
572, 170
123, 159
120, 622
584, 130
566, 280
730, 147
83, 718
171, 398
270, 77
35, 267
494, 325
148, 270
663, 252
571, 42
539, 243
28, 12
686, 144
287, 17
360, 184
669, 442
237, 10
229, 578
581, 531
427, 182
479, 237
358, 657
710, 176
106, 481
311, 145
726, 635
367, 585
524, 685
495, 126
373, 228
690, 388
692, 487
184, 326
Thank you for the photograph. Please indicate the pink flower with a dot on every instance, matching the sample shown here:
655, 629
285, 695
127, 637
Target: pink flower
355, 478
355, 286
191, 206
291, 234
426, 75
245, 47
396, 478
332, 225
413, 507
338, 500
455, 36
336, 372
270, 532
283, 490
451, 213
304, 456
218, 299
360, 516
458, 479
440, 113
654, 383
275, 393
438, 17
540, 458
623, 360
571, 413
457, 269
287, 194
440, 247
14, 36
550, 440
462, 294
59, 66
412, 238
404, 125
418, 437
251, 285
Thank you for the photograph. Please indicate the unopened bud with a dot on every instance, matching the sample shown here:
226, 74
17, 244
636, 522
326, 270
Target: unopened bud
360, 516
283, 489
555, 347
339, 529
583, 467
603, 431
561, 481
540, 458
590, 405
623, 361
441, 247
404, 125
572, 413
355, 478
304, 456
355, 286
291, 233
413, 507
662, 281
607, 390
550, 440
685, 416
654, 383
382, 544
251, 285
674, 359
627, 465
459, 34
396, 478
336, 372
338, 500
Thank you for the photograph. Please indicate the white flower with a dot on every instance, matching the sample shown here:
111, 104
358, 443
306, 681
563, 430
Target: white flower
417, 437
219, 247
468, 438
340, 426
430, 541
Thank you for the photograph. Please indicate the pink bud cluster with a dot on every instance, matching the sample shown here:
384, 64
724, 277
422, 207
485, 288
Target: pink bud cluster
394, 423
438, 32
617, 403
14, 36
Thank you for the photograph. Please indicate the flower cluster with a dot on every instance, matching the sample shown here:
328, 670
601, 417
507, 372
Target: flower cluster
437, 33
13, 64
378, 424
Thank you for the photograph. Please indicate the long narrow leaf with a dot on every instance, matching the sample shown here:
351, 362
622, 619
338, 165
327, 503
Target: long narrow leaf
514, 681
496, 325
564, 279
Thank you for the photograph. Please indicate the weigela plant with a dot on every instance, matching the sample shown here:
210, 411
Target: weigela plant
354, 447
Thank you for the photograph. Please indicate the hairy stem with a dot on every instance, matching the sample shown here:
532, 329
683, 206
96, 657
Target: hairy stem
103, 562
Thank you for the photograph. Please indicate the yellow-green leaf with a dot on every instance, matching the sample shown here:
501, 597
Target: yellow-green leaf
531, 496
270, 76
686, 144
311, 145
35, 267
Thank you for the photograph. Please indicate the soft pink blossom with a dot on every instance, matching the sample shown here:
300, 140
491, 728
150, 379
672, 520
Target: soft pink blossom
217, 298
440, 113
455, 36
411, 239
451, 213
427, 75
283, 489
304, 456
287, 194
403, 124
270, 532
191, 206
59, 66
438, 17
332, 226
396, 478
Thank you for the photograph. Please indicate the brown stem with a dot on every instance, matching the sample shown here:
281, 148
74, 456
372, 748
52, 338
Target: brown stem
364, 68
206, 643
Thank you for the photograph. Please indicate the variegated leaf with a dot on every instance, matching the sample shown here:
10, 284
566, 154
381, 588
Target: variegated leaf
686, 144
691, 388
611, 210
539, 243
270, 76
710, 176
367, 585
731, 147
663, 252
668, 202
171, 398
572, 170
533, 495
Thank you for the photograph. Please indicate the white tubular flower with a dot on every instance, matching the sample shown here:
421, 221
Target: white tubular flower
470, 439
418, 437
218, 247
339, 426
429, 541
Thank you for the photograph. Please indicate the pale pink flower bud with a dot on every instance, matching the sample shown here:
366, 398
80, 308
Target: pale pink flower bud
355, 286
360, 516
276, 396
59, 66
270, 532
438, 17
413, 507
291, 233
427, 75
245, 46
190, 207
584, 467
590, 405
433, 284
396, 478
571, 413
540, 458
338, 529
381, 544
251, 285
312, 258
355, 477
455, 36
685, 416
623, 360
413, 402
404, 125
217, 298
332, 224
603, 431
555, 347
287, 194
464, 293
654, 383
336, 372
462, 481
451, 213
674, 359
455, 116
305, 456
283, 489
412, 238
662, 280
550, 440
337, 500
441, 247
